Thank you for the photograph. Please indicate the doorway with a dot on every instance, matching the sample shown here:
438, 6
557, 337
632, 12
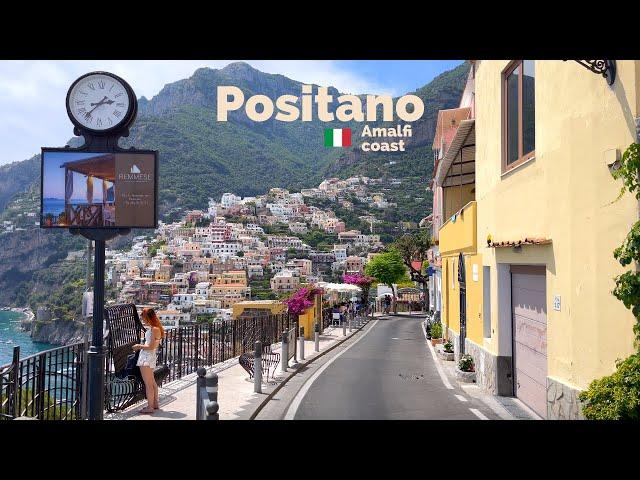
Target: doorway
529, 313
463, 302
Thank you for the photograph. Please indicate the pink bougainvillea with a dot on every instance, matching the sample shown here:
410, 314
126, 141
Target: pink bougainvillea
302, 299
363, 281
357, 279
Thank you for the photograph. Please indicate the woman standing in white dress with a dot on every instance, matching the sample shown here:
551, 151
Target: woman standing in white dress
147, 358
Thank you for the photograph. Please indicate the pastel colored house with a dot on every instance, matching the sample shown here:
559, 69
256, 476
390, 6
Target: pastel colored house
527, 263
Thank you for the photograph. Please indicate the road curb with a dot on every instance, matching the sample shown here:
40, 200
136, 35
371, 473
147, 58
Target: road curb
295, 372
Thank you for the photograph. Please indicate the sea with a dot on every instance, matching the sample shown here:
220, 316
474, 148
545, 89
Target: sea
11, 335
55, 206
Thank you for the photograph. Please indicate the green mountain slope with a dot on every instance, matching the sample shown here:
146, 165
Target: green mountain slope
201, 158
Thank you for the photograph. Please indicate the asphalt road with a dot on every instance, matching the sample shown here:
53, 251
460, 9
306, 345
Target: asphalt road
388, 373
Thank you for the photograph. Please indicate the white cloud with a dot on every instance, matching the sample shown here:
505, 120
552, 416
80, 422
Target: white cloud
32, 93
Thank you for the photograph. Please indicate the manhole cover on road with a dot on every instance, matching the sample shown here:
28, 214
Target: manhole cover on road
411, 376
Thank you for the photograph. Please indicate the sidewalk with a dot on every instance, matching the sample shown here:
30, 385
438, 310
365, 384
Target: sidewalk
507, 408
236, 397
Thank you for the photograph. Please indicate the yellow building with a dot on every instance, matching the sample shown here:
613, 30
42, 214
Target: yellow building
163, 274
274, 307
541, 322
231, 277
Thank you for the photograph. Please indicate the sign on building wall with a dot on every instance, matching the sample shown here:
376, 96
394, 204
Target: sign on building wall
98, 189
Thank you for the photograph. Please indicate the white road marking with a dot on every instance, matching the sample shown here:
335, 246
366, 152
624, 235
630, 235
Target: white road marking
297, 400
478, 414
461, 398
443, 377
395, 338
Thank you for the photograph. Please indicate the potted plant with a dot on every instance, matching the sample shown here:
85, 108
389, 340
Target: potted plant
447, 351
436, 334
466, 371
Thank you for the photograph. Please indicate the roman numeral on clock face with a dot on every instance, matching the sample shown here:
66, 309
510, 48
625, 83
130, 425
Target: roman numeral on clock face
98, 102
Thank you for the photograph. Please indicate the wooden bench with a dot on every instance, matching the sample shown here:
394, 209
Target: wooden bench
270, 361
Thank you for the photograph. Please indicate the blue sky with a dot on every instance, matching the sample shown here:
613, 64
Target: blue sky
399, 76
32, 92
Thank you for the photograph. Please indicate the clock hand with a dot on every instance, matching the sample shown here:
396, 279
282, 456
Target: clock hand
101, 102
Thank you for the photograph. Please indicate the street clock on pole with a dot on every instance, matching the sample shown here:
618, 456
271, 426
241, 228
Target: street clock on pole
101, 103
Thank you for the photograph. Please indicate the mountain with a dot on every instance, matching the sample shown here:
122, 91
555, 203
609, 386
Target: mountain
442, 92
202, 158
16, 177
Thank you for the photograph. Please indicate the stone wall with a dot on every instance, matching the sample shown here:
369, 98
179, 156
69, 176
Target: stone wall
493, 373
562, 401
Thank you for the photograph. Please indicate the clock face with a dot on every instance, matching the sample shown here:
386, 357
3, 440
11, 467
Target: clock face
99, 102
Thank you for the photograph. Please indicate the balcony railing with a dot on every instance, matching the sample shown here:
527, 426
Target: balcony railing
49, 385
46, 386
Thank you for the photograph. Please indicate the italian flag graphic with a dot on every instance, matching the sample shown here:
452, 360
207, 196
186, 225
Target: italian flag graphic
337, 137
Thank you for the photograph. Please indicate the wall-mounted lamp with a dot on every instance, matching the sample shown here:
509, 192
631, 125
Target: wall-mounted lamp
606, 68
612, 159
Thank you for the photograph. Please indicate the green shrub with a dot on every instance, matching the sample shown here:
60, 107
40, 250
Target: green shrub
436, 330
617, 396
448, 347
466, 363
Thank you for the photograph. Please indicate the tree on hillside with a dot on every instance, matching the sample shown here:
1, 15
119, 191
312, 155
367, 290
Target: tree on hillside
388, 268
253, 207
413, 248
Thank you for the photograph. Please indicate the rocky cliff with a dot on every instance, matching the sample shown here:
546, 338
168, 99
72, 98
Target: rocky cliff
57, 332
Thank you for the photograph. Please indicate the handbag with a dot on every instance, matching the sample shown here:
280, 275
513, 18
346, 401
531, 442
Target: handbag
131, 369
160, 373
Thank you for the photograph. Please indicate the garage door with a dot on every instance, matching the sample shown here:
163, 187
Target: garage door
529, 300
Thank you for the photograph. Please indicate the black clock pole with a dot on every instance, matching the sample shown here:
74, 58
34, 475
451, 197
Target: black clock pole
100, 140
96, 355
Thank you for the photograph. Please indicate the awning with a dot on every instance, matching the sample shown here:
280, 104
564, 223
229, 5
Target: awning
458, 166
103, 167
339, 287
